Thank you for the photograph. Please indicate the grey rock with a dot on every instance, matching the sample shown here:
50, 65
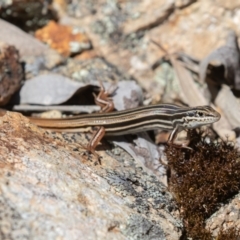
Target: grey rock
49, 191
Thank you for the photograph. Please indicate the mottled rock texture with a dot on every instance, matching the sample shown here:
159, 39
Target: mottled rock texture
50, 190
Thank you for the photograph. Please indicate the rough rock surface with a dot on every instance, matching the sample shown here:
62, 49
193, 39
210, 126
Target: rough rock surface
226, 217
50, 191
122, 31
63, 39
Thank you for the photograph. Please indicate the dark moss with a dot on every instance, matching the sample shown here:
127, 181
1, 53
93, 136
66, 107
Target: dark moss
230, 234
202, 179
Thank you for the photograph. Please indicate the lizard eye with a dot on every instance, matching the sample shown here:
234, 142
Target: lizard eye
200, 114
191, 114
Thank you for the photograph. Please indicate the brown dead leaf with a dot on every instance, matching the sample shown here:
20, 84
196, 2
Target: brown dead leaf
11, 72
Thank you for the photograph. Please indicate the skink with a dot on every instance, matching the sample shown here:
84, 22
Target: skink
161, 116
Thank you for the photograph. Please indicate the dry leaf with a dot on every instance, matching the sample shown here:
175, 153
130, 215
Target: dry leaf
227, 56
48, 89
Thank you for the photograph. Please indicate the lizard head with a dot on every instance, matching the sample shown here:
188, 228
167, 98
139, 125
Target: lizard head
199, 116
